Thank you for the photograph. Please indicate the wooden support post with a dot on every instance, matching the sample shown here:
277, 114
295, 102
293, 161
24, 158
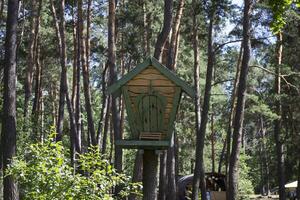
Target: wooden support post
150, 163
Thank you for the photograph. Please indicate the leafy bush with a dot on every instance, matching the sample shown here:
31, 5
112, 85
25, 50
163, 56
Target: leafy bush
44, 171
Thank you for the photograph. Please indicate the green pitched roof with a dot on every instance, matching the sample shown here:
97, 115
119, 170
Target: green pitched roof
115, 88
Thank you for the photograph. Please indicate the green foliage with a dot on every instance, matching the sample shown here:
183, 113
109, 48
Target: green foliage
45, 172
279, 7
245, 182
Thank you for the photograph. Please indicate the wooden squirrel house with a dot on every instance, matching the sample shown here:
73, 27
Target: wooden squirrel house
152, 94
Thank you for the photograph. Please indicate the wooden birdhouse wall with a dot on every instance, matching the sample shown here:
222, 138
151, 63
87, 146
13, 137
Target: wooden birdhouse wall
150, 77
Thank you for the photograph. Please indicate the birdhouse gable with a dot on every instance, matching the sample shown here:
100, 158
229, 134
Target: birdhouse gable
151, 71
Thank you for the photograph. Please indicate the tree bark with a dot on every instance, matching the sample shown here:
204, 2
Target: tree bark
30, 59
172, 188
199, 172
75, 138
60, 117
164, 34
232, 191
163, 176
113, 79
104, 107
212, 138
77, 80
232, 111
85, 71
277, 122
9, 131
175, 32
106, 126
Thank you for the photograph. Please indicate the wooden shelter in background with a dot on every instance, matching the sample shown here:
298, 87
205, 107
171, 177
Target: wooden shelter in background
152, 94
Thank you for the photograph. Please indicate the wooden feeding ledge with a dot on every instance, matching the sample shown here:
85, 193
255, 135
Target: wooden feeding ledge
152, 94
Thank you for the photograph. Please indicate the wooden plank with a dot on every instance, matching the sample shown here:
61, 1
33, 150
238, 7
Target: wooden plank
150, 76
154, 83
174, 112
143, 144
144, 89
133, 122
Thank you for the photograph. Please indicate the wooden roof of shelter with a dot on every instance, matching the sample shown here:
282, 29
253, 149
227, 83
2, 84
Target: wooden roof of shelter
116, 87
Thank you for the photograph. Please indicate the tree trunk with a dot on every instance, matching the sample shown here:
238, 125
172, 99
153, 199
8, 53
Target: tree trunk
104, 107
175, 32
222, 156
30, 59
164, 34
150, 162
199, 172
60, 117
264, 160
9, 131
277, 122
239, 114
75, 138
85, 73
106, 125
196, 182
172, 188
212, 138
77, 80
113, 79
75, 57
232, 111
37, 96
163, 176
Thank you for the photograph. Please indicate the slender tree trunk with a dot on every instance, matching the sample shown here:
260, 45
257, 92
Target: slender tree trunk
277, 123
172, 188
104, 107
170, 63
212, 138
79, 125
239, 114
9, 131
196, 182
37, 59
37, 94
60, 117
264, 160
163, 176
85, 71
232, 111
75, 138
175, 32
106, 125
222, 156
30, 59
164, 34
113, 79
199, 172
75, 57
